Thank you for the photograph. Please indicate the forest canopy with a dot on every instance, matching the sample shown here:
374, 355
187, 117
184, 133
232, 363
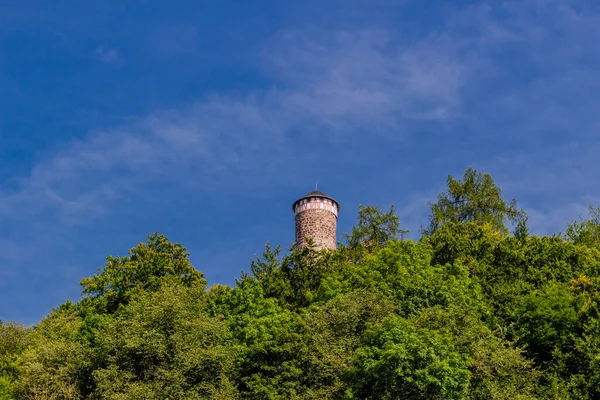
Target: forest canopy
474, 309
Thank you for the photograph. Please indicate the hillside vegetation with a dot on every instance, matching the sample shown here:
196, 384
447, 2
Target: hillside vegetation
477, 308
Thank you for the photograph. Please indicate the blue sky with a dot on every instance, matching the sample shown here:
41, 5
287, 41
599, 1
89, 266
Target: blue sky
206, 120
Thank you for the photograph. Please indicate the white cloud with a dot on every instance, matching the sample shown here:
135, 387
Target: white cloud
110, 56
368, 76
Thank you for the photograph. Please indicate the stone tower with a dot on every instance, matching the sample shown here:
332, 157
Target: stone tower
316, 218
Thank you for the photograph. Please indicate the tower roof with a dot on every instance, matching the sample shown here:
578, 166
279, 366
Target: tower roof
318, 194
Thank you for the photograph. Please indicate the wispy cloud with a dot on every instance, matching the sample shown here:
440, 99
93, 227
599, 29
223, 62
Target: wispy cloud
337, 85
370, 75
109, 56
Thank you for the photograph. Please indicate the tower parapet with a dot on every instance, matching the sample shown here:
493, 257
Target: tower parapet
316, 218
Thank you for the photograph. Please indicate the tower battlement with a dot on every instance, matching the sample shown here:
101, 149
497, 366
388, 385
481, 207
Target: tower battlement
316, 218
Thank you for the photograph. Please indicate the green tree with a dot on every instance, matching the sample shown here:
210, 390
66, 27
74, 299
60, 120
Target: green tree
375, 228
499, 368
164, 345
335, 330
585, 232
267, 270
271, 358
57, 364
476, 198
400, 361
13, 340
148, 266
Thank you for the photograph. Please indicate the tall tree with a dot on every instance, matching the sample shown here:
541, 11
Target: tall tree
475, 198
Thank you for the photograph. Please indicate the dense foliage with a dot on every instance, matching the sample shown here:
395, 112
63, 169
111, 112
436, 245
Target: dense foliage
470, 311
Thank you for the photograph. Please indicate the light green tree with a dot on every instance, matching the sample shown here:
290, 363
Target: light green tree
13, 340
475, 198
164, 345
374, 228
56, 364
585, 231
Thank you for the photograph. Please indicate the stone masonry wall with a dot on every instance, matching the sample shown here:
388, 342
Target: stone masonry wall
320, 225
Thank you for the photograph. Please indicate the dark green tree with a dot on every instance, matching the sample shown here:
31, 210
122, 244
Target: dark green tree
400, 361
335, 330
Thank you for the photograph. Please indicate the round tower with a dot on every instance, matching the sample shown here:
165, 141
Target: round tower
316, 218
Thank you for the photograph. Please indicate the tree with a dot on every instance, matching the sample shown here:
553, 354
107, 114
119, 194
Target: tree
375, 228
56, 364
500, 370
267, 270
585, 232
547, 320
148, 266
400, 361
13, 339
163, 345
336, 327
476, 198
